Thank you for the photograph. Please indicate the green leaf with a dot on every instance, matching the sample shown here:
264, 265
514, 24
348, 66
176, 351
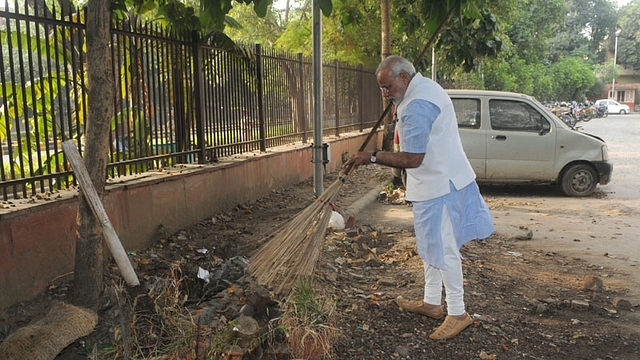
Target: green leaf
147, 6
326, 6
3, 127
233, 23
261, 7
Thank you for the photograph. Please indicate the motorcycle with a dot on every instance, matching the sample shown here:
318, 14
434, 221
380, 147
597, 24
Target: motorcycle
602, 111
566, 114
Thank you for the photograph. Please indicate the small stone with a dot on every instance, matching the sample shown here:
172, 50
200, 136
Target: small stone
182, 237
257, 296
541, 308
387, 282
592, 283
403, 351
527, 235
485, 356
580, 305
621, 304
484, 318
331, 276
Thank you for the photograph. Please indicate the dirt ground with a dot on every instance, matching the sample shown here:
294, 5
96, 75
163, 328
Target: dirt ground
530, 299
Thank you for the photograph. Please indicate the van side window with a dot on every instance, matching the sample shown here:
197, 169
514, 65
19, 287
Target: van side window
467, 112
516, 116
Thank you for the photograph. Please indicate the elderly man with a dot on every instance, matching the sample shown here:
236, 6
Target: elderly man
448, 209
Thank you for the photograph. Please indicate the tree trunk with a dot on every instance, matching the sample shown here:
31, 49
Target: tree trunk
286, 13
385, 16
89, 262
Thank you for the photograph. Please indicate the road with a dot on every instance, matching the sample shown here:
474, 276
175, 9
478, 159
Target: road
603, 229
622, 134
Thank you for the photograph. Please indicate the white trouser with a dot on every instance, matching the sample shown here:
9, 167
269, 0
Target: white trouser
450, 276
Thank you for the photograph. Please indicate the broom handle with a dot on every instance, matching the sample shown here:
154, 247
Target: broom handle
373, 131
388, 108
376, 126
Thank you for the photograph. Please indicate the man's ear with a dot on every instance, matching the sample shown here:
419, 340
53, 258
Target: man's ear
405, 77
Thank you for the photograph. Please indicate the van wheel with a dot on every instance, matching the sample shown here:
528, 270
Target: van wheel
579, 180
400, 178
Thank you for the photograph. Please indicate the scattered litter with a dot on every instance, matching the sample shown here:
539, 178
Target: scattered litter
485, 356
514, 253
340, 260
336, 222
204, 275
483, 318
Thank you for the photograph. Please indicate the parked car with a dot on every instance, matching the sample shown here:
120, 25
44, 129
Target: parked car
613, 106
513, 138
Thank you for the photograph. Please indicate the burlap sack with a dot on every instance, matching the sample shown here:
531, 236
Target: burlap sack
46, 338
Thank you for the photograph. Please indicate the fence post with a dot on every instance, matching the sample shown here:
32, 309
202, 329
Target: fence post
198, 93
360, 98
261, 114
302, 118
337, 97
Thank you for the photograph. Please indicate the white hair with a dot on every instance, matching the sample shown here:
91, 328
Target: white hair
397, 65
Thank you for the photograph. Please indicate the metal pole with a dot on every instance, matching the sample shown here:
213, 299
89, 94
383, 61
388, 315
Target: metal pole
317, 99
433, 64
615, 55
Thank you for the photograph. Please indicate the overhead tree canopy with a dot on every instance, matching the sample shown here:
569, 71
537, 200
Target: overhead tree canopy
629, 38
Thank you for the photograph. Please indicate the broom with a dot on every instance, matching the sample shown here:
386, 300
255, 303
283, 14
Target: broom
293, 250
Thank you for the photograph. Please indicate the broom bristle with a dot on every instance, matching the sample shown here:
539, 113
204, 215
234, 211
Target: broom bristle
294, 249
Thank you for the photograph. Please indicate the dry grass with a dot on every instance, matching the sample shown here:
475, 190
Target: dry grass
153, 324
309, 319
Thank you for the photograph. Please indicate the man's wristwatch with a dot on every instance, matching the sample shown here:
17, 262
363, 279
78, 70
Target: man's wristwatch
373, 158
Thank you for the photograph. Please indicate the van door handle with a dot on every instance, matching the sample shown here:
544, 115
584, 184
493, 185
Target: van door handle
500, 137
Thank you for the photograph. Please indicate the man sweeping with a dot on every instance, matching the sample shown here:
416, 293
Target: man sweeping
448, 209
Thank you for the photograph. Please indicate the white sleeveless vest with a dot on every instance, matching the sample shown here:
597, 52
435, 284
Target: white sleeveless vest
444, 158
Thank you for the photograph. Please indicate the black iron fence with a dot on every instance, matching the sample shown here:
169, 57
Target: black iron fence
178, 99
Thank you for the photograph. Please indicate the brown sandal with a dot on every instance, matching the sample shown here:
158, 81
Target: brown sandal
451, 327
418, 306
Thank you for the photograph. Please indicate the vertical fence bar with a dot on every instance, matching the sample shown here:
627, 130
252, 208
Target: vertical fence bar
56, 132
151, 82
33, 128
208, 94
337, 96
197, 96
40, 106
7, 125
19, 133
136, 95
77, 89
260, 83
302, 119
115, 60
168, 123
360, 82
189, 85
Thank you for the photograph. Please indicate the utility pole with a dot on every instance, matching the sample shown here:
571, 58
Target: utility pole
615, 55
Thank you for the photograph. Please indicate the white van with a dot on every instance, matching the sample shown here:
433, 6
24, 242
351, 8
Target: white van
512, 138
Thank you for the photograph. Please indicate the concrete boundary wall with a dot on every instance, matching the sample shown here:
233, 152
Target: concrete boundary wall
37, 237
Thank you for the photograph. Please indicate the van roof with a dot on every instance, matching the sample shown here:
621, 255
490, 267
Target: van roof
486, 93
